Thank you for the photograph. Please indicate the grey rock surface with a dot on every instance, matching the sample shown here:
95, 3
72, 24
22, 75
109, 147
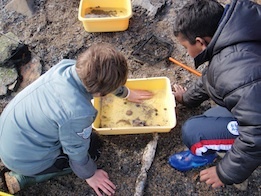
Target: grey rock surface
24, 7
8, 43
150, 6
8, 79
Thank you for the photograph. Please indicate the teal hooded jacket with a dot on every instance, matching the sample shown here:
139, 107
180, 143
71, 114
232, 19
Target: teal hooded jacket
51, 115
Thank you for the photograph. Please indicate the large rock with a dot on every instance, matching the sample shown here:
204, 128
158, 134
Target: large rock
8, 80
24, 7
13, 53
151, 6
17, 66
13, 80
8, 44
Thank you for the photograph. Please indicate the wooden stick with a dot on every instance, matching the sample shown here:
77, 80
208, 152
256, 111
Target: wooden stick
147, 159
185, 67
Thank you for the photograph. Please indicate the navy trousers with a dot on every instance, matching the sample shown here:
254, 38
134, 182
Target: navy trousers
214, 130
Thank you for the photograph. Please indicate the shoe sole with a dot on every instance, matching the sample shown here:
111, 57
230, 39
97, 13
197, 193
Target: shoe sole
242, 186
12, 183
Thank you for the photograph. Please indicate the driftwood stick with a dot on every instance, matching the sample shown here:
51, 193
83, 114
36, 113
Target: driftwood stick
147, 159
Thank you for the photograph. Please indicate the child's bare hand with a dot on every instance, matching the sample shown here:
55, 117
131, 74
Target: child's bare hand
178, 92
137, 96
210, 176
100, 181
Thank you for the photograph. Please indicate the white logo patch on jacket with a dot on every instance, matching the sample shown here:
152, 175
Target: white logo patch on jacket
85, 134
232, 127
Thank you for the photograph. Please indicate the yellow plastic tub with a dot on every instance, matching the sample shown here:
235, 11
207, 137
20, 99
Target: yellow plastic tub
105, 15
118, 116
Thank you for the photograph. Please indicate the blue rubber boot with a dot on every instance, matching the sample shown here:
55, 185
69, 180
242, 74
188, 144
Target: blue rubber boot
185, 160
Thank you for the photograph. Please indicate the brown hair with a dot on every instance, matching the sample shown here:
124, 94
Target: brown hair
102, 69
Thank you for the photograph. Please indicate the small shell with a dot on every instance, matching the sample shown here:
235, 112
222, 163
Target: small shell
129, 113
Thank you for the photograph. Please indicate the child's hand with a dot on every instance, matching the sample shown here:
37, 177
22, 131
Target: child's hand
210, 177
137, 96
100, 181
178, 92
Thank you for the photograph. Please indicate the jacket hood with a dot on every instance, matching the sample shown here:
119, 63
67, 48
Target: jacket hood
239, 24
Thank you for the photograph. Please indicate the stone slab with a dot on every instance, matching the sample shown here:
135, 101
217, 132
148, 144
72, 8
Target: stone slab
8, 77
24, 7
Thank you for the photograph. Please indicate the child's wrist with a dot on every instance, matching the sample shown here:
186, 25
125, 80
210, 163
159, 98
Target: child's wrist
128, 94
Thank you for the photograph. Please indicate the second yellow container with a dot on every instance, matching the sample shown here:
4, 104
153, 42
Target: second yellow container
105, 15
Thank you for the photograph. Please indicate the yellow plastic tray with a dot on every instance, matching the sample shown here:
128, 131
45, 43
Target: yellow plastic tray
118, 116
100, 22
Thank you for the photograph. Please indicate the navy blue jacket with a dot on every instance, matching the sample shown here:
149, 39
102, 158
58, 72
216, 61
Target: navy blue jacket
233, 80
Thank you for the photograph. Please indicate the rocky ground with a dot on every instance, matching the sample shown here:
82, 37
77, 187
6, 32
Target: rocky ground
54, 32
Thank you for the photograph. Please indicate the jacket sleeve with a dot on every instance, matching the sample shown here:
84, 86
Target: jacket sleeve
196, 94
85, 168
245, 155
121, 92
75, 140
